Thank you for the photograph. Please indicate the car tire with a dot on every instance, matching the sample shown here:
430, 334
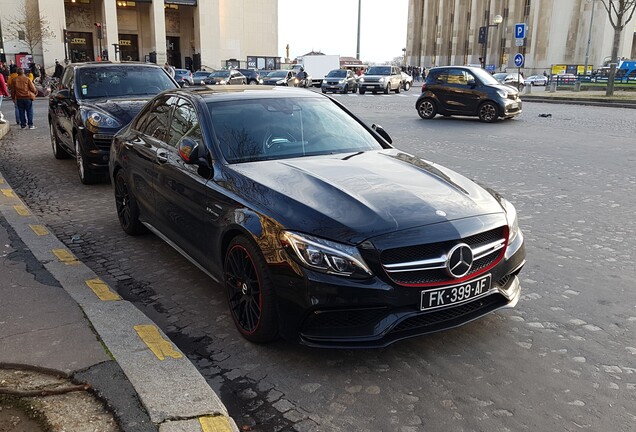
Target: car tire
387, 89
127, 208
407, 86
398, 89
250, 291
324, 91
86, 174
58, 151
186, 84
345, 90
427, 109
354, 89
362, 91
253, 82
488, 112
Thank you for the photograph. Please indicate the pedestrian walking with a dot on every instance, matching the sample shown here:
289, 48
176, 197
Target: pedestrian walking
23, 93
169, 69
4, 92
59, 70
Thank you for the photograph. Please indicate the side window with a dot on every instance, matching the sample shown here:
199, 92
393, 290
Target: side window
184, 123
157, 120
67, 77
457, 77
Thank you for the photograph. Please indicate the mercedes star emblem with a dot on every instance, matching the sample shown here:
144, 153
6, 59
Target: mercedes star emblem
459, 261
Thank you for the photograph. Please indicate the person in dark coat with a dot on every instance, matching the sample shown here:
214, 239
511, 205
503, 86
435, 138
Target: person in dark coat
59, 70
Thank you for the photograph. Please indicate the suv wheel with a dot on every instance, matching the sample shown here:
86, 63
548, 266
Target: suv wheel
58, 151
398, 89
387, 89
427, 109
86, 175
488, 112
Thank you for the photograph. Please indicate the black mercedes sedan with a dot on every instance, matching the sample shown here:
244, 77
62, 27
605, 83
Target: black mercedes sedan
317, 228
95, 100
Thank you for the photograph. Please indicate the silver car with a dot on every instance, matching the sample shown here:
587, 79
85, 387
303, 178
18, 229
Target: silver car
381, 78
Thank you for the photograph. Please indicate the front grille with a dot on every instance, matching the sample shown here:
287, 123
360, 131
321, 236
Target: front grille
460, 313
103, 143
436, 252
344, 318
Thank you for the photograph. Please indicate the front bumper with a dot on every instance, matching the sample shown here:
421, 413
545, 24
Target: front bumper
332, 87
511, 108
322, 310
97, 147
373, 86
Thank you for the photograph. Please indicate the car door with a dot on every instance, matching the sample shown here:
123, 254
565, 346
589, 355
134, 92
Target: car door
65, 108
180, 191
142, 144
461, 96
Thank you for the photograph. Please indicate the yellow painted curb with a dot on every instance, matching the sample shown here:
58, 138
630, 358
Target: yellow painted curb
215, 424
65, 256
102, 290
22, 210
161, 347
1, 181
39, 229
9, 193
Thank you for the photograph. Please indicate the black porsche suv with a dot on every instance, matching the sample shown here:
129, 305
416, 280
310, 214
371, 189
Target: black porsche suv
93, 102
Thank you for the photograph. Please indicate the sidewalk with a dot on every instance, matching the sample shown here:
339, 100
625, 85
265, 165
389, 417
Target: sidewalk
93, 361
621, 98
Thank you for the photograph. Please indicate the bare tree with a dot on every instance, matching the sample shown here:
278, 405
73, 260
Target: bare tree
620, 12
29, 26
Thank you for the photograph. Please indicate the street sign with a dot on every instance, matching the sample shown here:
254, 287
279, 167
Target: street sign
520, 30
490, 67
519, 60
520, 42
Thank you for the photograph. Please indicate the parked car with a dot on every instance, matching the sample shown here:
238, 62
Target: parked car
381, 78
94, 101
512, 79
537, 80
317, 228
199, 76
225, 77
281, 78
407, 81
253, 76
340, 80
183, 77
466, 91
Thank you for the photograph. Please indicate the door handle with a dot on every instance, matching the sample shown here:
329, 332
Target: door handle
162, 156
136, 141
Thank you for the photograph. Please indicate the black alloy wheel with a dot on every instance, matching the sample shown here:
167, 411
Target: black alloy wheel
58, 151
427, 109
126, 205
249, 290
488, 112
86, 174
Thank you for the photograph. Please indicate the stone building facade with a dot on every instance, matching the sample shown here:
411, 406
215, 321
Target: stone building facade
186, 33
446, 32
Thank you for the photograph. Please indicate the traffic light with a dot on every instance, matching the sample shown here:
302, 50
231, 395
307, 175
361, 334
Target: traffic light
483, 35
100, 33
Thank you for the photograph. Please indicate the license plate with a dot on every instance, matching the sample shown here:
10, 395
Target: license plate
514, 105
455, 294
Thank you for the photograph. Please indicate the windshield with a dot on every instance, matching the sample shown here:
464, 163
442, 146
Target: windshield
484, 76
277, 74
379, 70
220, 74
116, 81
337, 74
283, 128
201, 74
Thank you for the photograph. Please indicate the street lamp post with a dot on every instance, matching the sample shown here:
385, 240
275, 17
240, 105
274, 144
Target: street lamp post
483, 36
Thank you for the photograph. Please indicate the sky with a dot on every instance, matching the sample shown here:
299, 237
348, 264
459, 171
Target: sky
331, 26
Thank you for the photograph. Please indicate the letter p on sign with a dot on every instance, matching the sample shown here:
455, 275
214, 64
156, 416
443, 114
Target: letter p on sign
520, 31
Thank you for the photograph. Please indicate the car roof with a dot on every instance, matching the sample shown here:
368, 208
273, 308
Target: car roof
109, 63
469, 68
246, 92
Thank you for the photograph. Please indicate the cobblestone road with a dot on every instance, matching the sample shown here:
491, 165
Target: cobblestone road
564, 359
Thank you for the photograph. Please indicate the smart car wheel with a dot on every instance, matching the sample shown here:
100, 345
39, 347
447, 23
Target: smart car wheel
249, 290
58, 151
127, 208
427, 109
86, 175
488, 112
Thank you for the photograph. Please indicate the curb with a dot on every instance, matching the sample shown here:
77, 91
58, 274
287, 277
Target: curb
580, 101
173, 392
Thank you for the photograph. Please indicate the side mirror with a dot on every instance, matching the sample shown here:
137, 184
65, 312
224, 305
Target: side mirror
380, 130
62, 94
189, 150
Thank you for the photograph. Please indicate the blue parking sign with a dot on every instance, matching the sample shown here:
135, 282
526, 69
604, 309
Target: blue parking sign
520, 31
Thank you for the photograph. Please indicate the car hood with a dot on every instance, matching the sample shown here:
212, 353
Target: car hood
354, 197
123, 109
506, 87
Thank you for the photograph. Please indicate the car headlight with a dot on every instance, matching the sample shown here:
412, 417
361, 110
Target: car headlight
511, 216
361, 79
280, 81
382, 80
260, 81
325, 256
502, 93
96, 119
222, 82
341, 81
